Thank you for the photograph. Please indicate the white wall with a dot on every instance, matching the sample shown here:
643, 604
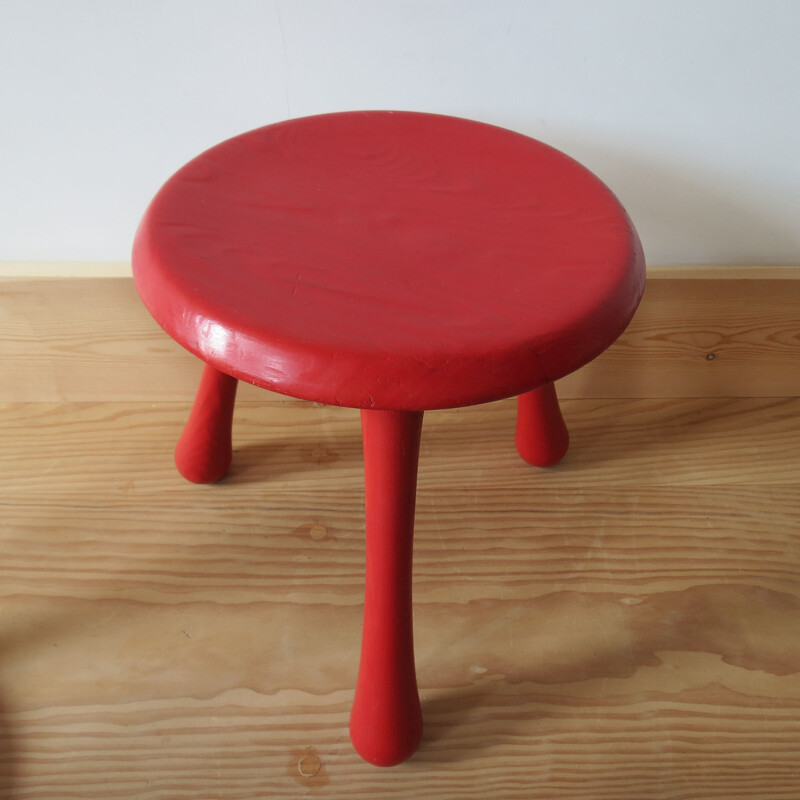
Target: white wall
688, 109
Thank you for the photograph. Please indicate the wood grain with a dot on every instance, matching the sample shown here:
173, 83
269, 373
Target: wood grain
624, 625
92, 340
33, 270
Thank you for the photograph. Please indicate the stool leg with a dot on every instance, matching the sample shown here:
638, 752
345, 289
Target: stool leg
386, 720
542, 437
203, 454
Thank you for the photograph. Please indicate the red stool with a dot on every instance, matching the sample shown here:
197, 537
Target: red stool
393, 262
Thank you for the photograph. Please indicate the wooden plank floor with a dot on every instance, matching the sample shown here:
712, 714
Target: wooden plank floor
692, 336
625, 625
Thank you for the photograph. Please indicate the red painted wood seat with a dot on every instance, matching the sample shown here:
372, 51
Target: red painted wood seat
389, 260
394, 262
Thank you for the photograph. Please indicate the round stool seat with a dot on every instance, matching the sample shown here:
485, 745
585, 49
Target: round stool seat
389, 260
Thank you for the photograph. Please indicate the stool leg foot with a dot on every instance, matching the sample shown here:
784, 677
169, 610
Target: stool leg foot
203, 454
542, 437
386, 720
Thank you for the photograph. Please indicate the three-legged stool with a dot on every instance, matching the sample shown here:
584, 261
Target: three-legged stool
393, 262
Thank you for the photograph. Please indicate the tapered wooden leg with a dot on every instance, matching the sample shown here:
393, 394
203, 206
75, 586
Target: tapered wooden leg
386, 721
204, 450
542, 437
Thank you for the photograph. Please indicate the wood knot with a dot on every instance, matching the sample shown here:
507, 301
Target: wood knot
313, 530
306, 768
309, 765
320, 455
318, 532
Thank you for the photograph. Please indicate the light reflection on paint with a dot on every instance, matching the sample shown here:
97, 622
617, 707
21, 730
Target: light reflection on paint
214, 339
220, 344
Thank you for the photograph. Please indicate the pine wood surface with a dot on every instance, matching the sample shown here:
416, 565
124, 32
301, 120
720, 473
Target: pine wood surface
624, 625
92, 340
34, 270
